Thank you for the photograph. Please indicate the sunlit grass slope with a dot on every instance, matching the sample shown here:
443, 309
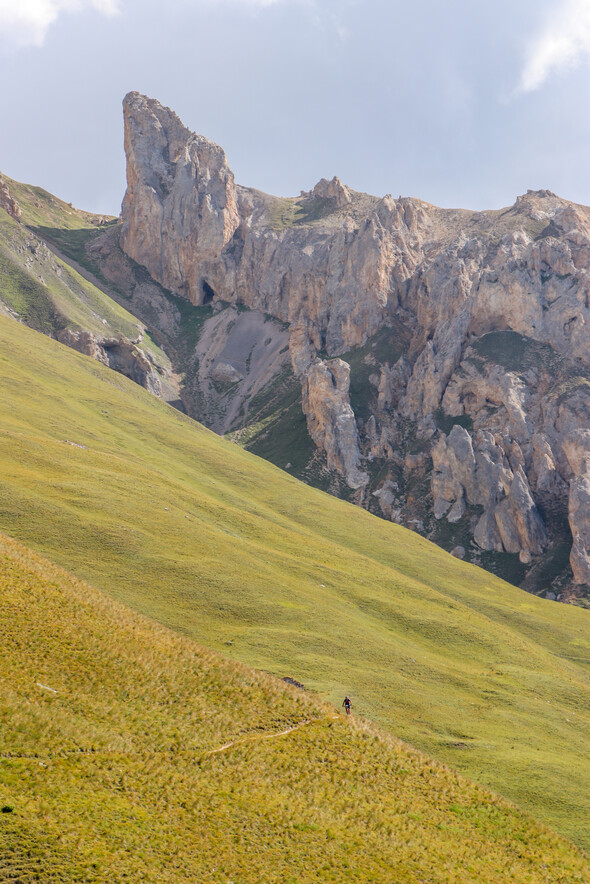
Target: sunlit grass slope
107, 733
48, 294
41, 208
43, 291
215, 543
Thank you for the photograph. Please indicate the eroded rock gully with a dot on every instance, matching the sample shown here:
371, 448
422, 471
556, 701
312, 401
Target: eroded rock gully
461, 403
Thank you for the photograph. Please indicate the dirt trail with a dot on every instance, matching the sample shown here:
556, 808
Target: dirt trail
248, 738
252, 737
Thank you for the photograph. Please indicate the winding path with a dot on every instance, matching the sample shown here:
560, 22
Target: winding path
248, 738
252, 737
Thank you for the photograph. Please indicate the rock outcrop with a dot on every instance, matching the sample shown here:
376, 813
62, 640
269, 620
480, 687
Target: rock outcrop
7, 201
119, 353
331, 419
477, 326
577, 451
202, 236
180, 194
491, 476
334, 192
53, 298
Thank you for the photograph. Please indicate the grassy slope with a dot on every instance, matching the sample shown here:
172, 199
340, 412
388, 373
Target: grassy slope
111, 775
48, 294
41, 208
218, 544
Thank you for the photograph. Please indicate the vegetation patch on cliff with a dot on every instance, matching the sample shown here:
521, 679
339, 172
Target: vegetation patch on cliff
276, 428
515, 352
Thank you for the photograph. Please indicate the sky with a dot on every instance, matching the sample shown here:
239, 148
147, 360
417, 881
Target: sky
459, 103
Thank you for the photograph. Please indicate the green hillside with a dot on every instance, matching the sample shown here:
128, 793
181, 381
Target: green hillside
40, 208
48, 294
44, 214
115, 766
186, 527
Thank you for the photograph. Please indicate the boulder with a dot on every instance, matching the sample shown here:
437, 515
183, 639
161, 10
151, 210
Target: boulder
224, 373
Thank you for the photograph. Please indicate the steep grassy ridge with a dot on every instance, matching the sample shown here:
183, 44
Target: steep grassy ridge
48, 294
108, 734
52, 219
220, 545
41, 208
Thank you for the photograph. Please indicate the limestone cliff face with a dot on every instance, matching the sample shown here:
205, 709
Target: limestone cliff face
487, 470
577, 451
331, 419
475, 330
327, 263
180, 195
528, 272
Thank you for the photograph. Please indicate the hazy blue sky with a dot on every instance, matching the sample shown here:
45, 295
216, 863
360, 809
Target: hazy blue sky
461, 103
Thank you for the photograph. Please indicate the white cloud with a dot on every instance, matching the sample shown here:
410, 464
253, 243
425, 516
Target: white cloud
248, 4
26, 22
561, 43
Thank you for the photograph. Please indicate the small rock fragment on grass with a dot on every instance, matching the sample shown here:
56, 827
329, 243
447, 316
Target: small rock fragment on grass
294, 682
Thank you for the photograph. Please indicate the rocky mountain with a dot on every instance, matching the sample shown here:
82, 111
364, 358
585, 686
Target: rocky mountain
466, 335
431, 365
